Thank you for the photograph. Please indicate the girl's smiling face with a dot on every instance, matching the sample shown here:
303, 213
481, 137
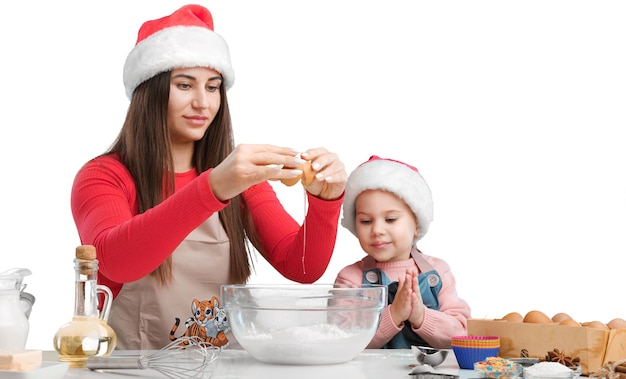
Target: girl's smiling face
194, 101
385, 226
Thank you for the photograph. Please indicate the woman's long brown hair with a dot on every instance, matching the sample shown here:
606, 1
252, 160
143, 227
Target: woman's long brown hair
144, 148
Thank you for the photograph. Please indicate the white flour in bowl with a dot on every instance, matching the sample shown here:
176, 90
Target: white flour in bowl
311, 345
548, 370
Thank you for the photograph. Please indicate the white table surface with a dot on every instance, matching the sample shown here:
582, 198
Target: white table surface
235, 364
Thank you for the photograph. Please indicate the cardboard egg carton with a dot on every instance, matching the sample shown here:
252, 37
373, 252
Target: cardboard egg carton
594, 347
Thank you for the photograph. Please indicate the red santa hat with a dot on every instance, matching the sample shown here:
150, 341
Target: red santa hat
183, 39
399, 178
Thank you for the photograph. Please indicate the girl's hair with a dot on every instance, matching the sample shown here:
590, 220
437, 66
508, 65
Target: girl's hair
144, 148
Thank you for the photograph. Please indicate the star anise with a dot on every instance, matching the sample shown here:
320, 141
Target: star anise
559, 356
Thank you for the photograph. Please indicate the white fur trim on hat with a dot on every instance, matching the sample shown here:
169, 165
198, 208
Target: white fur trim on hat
177, 47
393, 176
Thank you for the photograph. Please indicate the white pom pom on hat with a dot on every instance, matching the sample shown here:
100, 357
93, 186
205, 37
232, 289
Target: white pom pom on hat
394, 176
183, 39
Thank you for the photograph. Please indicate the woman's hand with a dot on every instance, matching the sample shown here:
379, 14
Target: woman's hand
248, 165
330, 174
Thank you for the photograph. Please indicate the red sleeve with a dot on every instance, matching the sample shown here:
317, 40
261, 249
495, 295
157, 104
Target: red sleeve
130, 245
283, 238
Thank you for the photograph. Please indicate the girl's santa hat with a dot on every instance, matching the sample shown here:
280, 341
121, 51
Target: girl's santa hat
399, 178
183, 39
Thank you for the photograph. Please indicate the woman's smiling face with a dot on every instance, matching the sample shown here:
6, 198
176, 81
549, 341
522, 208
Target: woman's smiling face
194, 101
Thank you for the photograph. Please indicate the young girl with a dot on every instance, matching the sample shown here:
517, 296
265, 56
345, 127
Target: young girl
388, 207
172, 205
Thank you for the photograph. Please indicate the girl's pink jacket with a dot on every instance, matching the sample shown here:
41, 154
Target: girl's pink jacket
439, 326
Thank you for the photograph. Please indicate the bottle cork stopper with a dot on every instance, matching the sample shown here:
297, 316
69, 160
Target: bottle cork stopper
86, 252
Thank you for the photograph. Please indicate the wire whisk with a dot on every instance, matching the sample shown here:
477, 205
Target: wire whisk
183, 358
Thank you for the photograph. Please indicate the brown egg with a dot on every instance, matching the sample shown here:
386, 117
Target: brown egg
513, 317
537, 317
617, 323
560, 317
595, 325
569, 322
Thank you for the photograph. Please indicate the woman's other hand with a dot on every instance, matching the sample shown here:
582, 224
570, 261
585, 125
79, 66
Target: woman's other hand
330, 174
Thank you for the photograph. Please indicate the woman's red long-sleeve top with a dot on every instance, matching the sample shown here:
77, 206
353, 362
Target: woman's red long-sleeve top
129, 245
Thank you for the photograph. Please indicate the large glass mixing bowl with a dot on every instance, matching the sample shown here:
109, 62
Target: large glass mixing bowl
303, 324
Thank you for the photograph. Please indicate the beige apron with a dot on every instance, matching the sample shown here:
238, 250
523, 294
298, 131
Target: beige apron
148, 315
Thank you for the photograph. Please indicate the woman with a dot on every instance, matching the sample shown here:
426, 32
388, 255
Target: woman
172, 205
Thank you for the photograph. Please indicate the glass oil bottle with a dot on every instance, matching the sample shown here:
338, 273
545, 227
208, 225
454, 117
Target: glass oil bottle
88, 334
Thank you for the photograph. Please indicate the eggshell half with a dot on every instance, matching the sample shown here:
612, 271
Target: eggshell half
307, 176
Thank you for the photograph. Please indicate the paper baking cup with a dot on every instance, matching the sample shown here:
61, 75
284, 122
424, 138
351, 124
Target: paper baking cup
477, 345
476, 341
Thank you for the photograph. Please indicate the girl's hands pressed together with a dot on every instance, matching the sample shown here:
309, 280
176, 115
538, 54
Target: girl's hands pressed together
408, 304
416, 318
403, 301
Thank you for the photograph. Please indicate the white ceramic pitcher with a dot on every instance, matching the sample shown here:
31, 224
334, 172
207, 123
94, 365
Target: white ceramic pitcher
15, 307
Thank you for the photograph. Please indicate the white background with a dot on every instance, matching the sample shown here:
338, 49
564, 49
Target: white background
513, 112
